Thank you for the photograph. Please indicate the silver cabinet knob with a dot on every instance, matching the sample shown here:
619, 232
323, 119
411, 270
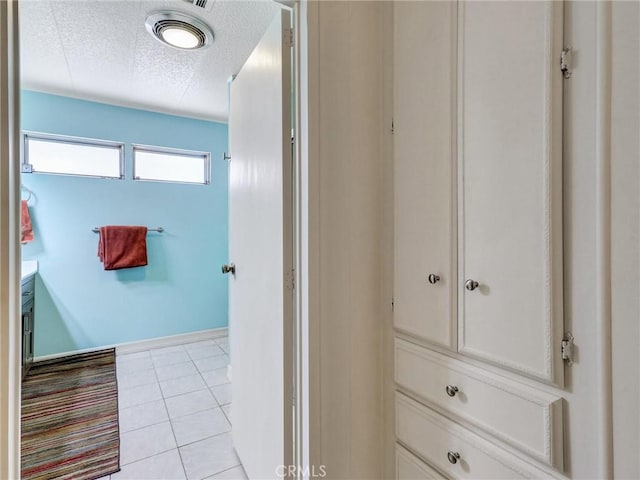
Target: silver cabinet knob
451, 390
433, 278
453, 457
471, 285
230, 268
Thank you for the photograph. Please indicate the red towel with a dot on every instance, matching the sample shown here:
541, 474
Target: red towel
25, 223
122, 247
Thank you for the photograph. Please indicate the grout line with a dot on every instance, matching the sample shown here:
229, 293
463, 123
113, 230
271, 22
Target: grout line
226, 470
217, 407
175, 439
203, 439
228, 417
164, 401
147, 457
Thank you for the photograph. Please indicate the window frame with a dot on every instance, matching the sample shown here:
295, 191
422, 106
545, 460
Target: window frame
182, 152
27, 167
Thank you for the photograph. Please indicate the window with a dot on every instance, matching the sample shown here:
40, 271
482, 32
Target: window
171, 165
44, 153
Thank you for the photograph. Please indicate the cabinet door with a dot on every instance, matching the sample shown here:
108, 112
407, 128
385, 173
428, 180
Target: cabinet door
424, 170
510, 165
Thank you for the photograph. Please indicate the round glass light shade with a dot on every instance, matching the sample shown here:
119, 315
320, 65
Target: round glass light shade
180, 38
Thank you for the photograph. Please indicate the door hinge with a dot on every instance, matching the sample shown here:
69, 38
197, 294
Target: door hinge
567, 348
393, 127
290, 280
393, 304
565, 62
291, 37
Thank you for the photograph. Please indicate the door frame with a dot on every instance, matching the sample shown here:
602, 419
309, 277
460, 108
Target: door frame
10, 253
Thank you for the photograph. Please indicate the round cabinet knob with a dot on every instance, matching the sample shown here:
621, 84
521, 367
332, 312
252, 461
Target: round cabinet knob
433, 278
471, 285
451, 390
453, 457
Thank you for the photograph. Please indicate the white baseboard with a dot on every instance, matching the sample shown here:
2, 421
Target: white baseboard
141, 345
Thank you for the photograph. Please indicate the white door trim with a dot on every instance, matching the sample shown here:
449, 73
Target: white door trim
10, 329
603, 235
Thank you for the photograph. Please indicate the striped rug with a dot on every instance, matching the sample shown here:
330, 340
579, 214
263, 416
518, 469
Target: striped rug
70, 418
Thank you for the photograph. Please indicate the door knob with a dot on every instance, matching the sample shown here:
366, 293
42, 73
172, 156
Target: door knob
230, 268
453, 457
451, 390
433, 278
471, 285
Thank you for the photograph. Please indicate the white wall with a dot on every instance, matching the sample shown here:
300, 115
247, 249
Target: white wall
345, 127
625, 241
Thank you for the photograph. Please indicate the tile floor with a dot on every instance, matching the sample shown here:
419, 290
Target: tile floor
174, 406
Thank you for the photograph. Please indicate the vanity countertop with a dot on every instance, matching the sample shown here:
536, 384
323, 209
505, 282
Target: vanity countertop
29, 268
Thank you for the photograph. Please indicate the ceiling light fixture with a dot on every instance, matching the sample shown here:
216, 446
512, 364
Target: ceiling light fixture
179, 30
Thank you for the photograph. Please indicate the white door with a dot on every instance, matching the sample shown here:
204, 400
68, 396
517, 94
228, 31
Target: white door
260, 246
424, 171
510, 163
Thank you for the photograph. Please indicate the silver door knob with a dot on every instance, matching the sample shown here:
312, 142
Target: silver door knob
433, 278
230, 268
451, 390
453, 457
471, 285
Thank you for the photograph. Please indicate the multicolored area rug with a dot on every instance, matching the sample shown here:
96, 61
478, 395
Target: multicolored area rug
70, 418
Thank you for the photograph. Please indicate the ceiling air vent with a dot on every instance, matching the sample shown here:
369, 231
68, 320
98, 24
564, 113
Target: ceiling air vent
206, 4
179, 30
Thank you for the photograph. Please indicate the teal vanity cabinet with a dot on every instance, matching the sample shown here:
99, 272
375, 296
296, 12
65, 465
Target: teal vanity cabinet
28, 289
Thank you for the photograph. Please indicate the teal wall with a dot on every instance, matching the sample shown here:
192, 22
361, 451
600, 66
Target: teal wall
78, 304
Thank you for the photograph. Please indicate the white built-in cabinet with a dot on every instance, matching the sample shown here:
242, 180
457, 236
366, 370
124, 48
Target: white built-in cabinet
478, 280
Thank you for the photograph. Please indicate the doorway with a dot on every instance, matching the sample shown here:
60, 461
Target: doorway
291, 387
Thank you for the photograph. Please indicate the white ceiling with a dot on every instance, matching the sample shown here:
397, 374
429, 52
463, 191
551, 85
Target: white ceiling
100, 50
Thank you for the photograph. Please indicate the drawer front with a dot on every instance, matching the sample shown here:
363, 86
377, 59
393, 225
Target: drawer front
410, 467
525, 418
28, 287
435, 437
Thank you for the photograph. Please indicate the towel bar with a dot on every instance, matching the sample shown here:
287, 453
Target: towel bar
159, 229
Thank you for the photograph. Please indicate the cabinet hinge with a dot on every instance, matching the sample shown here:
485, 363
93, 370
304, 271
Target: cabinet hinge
226, 157
565, 62
567, 348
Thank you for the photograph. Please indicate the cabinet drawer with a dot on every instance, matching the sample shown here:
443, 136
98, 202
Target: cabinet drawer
410, 467
28, 289
523, 417
435, 437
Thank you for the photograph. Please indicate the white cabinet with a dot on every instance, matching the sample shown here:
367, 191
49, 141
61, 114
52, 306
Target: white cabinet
410, 467
510, 190
424, 171
478, 284
523, 417
455, 450
478, 166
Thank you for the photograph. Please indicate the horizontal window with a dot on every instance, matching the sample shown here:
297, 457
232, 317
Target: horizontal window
170, 165
63, 155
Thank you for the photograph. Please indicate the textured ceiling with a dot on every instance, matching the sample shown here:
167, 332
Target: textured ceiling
100, 50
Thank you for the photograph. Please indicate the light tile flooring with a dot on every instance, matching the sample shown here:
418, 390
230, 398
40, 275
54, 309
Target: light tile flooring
174, 407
